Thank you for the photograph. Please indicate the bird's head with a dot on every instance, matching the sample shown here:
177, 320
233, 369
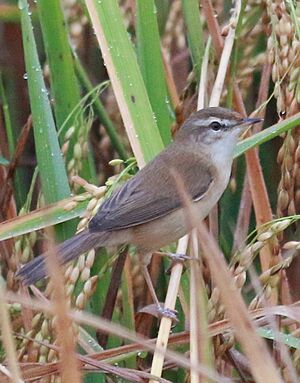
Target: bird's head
214, 125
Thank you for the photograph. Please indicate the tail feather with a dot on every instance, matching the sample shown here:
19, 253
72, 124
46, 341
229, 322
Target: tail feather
66, 251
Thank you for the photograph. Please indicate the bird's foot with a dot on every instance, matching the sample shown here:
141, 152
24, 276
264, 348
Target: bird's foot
167, 313
175, 258
159, 311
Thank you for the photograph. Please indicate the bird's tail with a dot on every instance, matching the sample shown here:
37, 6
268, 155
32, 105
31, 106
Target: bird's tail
66, 251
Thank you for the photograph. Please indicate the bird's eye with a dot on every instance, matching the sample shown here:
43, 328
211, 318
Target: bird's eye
215, 126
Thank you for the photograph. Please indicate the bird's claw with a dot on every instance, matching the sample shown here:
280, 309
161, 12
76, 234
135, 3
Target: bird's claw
178, 258
159, 311
167, 313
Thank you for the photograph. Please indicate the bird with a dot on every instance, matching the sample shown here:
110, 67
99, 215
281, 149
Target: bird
147, 210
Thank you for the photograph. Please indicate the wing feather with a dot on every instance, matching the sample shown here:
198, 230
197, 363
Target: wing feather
152, 193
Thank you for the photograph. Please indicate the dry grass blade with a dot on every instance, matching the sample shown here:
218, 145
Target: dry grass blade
203, 77
200, 346
112, 328
225, 57
8, 342
171, 85
261, 203
35, 370
243, 219
63, 324
126, 373
281, 349
261, 363
212, 24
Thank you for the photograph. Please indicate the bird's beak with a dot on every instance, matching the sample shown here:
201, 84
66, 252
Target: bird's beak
250, 121
246, 124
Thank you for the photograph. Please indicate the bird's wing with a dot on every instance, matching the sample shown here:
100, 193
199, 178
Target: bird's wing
152, 193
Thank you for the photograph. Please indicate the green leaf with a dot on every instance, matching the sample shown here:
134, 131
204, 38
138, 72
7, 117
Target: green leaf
126, 78
267, 134
100, 111
50, 162
64, 86
41, 218
163, 9
150, 60
287, 339
194, 32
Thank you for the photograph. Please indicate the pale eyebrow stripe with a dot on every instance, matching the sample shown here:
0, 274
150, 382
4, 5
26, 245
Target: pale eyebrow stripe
207, 121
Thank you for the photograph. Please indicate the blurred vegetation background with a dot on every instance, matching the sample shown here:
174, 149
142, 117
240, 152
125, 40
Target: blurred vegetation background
92, 90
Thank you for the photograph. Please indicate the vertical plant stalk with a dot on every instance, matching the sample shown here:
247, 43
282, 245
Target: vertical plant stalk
200, 343
128, 305
203, 78
259, 194
170, 81
246, 202
243, 219
213, 26
225, 57
166, 323
217, 91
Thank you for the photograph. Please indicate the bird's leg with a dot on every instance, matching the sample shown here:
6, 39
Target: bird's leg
161, 311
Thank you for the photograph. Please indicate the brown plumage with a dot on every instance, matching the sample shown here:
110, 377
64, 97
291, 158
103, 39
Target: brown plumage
146, 211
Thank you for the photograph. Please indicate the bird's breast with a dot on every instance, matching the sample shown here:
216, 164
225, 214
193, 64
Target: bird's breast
160, 232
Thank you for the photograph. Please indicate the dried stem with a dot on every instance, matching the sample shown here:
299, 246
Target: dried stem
63, 324
7, 339
166, 323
